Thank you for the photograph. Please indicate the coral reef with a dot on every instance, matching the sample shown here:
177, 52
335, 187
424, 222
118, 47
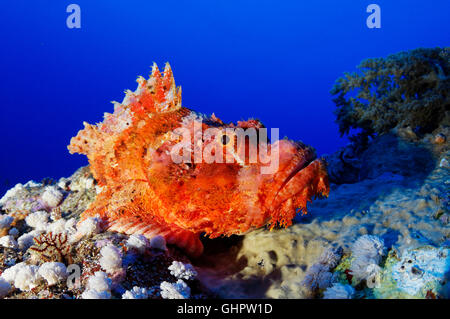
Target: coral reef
48, 250
144, 191
418, 273
407, 89
404, 209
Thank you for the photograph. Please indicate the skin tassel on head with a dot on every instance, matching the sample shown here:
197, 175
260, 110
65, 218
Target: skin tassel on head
145, 191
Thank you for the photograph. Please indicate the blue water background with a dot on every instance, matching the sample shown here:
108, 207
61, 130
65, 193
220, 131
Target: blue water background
273, 60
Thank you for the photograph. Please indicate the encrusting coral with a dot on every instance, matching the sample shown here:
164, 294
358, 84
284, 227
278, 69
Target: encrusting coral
143, 190
408, 89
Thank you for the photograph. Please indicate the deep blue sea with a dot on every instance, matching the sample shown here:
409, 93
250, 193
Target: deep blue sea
273, 60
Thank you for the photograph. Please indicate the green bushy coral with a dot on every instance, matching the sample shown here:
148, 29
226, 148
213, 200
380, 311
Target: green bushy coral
405, 89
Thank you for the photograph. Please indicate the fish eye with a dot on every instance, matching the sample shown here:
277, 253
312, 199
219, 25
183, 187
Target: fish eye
225, 139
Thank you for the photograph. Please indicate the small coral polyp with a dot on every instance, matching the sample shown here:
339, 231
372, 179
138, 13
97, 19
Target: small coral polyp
143, 191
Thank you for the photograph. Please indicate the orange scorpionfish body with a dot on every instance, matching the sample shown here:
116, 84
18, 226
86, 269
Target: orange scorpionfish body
145, 191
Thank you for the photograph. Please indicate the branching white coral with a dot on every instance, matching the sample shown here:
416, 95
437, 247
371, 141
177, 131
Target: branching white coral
98, 287
111, 259
8, 241
136, 293
339, 291
5, 221
88, 227
53, 272
27, 277
182, 271
38, 220
138, 242
9, 274
99, 282
52, 196
57, 227
178, 290
158, 242
5, 287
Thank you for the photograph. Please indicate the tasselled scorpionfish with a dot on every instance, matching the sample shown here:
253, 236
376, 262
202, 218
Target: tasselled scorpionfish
135, 153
